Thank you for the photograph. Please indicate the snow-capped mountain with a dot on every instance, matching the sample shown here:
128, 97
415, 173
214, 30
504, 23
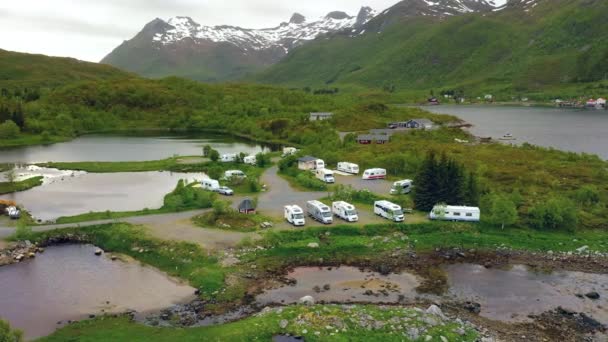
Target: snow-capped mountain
287, 35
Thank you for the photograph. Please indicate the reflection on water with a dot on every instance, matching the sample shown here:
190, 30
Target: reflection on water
573, 130
516, 293
69, 283
69, 196
116, 148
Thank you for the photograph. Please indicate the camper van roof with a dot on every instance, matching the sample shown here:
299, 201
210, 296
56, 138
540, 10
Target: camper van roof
307, 159
457, 207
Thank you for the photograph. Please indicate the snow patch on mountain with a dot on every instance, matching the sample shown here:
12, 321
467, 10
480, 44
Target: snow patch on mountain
286, 35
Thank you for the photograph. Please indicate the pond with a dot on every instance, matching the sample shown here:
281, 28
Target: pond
575, 130
132, 148
504, 294
80, 193
69, 283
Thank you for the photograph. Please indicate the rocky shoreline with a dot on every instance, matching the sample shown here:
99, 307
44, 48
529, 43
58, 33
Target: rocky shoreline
19, 251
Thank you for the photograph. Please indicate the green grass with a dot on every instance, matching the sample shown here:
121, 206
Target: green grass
235, 220
302, 321
111, 215
27, 139
10, 187
110, 167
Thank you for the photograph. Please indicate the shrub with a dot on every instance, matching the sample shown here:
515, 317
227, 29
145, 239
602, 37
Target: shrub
309, 182
186, 197
9, 130
9, 335
556, 213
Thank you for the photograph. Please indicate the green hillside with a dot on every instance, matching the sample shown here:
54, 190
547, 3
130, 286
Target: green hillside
22, 70
558, 46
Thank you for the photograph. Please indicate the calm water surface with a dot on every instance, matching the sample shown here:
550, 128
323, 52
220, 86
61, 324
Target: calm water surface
117, 148
69, 283
564, 129
69, 196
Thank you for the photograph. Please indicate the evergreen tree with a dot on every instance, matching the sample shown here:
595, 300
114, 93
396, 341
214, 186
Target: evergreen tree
472, 193
427, 184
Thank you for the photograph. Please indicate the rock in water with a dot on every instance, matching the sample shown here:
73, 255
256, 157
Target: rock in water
98, 251
593, 295
307, 300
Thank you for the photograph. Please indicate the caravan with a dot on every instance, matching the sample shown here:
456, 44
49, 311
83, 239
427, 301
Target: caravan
250, 160
345, 211
455, 213
294, 215
289, 151
234, 174
228, 158
327, 176
389, 211
210, 184
348, 168
319, 211
402, 187
372, 174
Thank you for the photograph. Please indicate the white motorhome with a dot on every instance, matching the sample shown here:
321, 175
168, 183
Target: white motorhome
345, 211
325, 175
288, 151
210, 184
348, 168
251, 160
294, 215
402, 187
13, 212
389, 211
228, 158
319, 211
309, 163
372, 174
455, 213
234, 174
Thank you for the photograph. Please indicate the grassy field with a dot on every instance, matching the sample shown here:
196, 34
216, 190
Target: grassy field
110, 167
309, 322
9, 187
26, 139
231, 221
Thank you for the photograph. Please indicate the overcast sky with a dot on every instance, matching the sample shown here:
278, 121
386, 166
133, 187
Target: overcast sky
90, 29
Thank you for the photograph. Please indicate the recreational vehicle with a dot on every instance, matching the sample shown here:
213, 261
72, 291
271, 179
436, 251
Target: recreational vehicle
251, 160
309, 163
234, 174
374, 174
348, 168
455, 213
389, 211
288, 151
13, 212
319, 212
294, 215
210, 184
325, 175
228, 158
345, 211
402, 187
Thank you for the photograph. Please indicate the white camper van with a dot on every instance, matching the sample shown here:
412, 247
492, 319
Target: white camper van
345, 211
402, 187
294, 215
372, 174
288, 151
228, 158
455, 213
13, 212
234, 174
251, 160
389, 211
210, 184
325, 175
348, 168
319, 211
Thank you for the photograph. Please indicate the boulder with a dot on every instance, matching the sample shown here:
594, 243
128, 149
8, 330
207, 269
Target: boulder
435, 310
98, 251
283, 323
313, 245
582, 249
307, 300
592, 295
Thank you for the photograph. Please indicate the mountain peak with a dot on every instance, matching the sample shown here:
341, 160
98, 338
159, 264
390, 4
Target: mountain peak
365, 14
297, 18
338, 15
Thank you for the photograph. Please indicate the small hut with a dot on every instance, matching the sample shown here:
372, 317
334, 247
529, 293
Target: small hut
247, 207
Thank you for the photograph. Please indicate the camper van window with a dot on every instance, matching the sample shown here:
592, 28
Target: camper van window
456, 214
398, 212
327, 214
469, 215
351, 212
298, 216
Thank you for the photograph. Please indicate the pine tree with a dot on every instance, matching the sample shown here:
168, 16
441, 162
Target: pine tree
472, 193
427, 184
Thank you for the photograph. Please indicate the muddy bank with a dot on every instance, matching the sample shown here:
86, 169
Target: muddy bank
17, 252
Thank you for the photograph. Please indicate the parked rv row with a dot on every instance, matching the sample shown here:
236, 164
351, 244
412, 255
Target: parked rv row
319, 211
233, 157
214, 184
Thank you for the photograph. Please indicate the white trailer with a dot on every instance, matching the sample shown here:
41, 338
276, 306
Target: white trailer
294, 215
288, 151
348, 168
251, 160
234, 174
345, 211
309, 163
372, 174
455, 213
228, 157
210, 184
13, 212
402, 187
389, 211
325, 175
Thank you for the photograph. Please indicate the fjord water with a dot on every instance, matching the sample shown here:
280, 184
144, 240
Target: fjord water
97, 192
104, 148
575, 130
69, 282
